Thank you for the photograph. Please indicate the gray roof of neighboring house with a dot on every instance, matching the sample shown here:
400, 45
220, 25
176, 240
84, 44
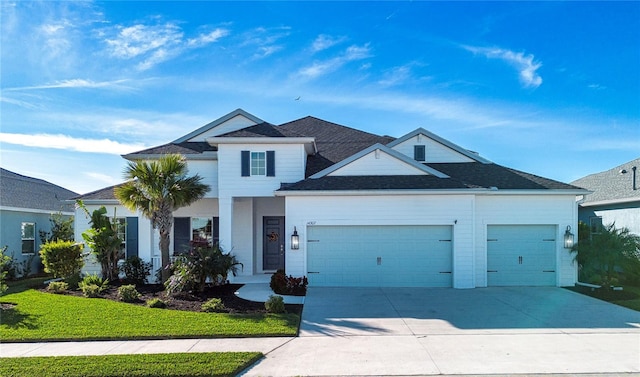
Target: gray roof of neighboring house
20, 191
463, 175
613, 185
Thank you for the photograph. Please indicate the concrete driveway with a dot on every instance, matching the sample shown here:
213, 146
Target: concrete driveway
424, 331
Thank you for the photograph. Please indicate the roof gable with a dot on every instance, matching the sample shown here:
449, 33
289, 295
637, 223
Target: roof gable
438, 150
235, 120
378, 160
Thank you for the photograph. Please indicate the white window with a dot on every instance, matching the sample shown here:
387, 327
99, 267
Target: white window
258, 163
121, 228
28, 231
202, 230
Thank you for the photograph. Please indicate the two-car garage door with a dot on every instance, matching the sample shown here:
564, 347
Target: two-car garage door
371, 256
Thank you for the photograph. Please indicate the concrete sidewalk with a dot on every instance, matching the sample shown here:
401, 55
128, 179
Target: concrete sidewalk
121, 347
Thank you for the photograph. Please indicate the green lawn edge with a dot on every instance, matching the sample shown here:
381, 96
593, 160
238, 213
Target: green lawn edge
40, 316
142, 365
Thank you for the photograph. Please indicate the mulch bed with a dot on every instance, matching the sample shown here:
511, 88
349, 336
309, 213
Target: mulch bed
193, 301
604, 293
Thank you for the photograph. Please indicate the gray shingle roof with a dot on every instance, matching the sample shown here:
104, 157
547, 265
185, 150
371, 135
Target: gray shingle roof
466, 175
102, 194
478, 175
20, 191
262, 130
334, 142
185, 148
612, 184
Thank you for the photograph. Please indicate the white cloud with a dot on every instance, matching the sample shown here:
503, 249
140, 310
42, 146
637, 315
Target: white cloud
352, 53
75, 83
265, 40
323, 42
525, 64
205, 39
70, 143
154, 43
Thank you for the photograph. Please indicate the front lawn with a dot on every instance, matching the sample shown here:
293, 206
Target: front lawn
40, 316
176, 364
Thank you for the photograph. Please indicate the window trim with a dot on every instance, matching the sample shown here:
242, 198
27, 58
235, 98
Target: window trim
31, 239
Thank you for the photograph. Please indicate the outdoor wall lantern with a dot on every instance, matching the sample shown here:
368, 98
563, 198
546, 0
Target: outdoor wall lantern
295, 240
568, 238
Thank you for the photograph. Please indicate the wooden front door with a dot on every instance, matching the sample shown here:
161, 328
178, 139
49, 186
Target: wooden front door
273, 246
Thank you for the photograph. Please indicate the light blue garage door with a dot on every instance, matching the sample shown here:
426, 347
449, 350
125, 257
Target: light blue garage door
521, 255
379, 256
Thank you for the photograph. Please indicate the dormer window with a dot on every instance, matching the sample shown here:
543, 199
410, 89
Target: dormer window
258, 164
419, 153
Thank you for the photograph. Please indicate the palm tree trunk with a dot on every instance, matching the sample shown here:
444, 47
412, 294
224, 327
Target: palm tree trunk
164, 254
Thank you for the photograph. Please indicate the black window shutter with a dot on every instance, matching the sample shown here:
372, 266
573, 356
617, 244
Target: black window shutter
245, 163
419, 152
132, 237
215, 230
271, 163
181, 234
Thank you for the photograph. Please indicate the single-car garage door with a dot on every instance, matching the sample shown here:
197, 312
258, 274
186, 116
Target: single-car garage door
379, 256
521, 255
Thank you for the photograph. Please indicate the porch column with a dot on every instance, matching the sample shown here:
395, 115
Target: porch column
226, 223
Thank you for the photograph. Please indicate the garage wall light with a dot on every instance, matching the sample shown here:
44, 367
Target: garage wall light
568, 238
295, 240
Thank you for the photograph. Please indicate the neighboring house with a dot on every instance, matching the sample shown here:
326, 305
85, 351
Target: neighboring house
368, 210
615, 198
26, 206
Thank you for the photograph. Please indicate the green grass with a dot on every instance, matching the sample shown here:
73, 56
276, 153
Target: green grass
177, 364
41, 316
632, 303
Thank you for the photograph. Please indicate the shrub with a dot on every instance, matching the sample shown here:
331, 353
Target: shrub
8, 266
288, 285
93, 285
128, 293
62, 258
136, 270
91, 290
275, 304
191, 270
156, 303
57, 287
4, 263
214, 305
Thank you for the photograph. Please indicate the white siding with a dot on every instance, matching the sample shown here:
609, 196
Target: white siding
384, 164
559, 210
236, 123
208, 170
385, 210
289, 166
434, 151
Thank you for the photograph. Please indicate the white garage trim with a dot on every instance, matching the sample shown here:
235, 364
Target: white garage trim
380, 255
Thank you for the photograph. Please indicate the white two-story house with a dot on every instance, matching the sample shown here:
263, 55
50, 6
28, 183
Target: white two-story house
349, 208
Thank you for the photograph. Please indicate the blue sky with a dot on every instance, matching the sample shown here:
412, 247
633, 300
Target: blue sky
551, 88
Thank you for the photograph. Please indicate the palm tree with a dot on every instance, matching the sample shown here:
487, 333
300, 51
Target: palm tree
609, 252
157, 189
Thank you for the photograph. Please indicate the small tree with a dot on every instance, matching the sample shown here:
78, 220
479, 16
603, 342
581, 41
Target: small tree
103, 241
61, 229
609, 252
63, 259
